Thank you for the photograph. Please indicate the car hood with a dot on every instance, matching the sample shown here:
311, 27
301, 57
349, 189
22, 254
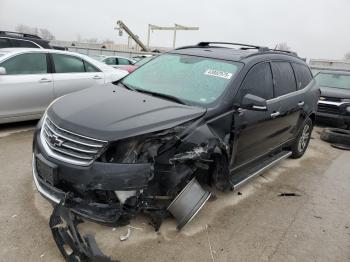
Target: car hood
110, 112
335, 92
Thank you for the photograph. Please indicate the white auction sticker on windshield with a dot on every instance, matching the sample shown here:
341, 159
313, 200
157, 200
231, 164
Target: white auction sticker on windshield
217, 73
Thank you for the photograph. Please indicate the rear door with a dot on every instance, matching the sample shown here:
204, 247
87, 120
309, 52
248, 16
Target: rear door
72, 73
257, 132
291, 99
27, 88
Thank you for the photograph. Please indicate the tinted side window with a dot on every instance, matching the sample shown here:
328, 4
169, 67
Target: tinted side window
302, 74
110, 61
283, 77
122, 61
90, 68
30, 63
20, 43
4, 43
68, 64
258, 82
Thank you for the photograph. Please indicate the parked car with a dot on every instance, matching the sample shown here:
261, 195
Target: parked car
141, 56
14, 39
30, 79
198, 115
334, 103
117, 60
131, 68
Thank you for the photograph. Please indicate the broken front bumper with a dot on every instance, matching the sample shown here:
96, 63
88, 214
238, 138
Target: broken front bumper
98, 176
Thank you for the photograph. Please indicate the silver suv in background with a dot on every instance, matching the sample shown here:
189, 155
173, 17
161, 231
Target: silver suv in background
31, 78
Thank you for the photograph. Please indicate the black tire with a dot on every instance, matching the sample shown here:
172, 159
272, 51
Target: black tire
336, 136
302, 140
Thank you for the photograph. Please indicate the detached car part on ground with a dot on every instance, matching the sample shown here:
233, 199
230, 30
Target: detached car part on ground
158, 140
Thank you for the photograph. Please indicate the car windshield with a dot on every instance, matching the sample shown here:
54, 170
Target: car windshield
335, 80
143, 61
194, 80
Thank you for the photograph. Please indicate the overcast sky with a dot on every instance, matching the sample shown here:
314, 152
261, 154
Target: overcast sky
313, 28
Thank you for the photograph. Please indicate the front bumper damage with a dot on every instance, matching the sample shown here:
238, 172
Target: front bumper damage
73, 247
170, 186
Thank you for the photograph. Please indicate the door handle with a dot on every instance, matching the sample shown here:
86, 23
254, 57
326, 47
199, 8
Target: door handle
45, 80
96, 77
275, 114
301, 103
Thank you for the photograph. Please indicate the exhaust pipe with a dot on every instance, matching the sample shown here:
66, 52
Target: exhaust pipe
188, 203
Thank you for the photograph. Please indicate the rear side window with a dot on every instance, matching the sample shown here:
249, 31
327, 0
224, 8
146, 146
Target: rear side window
258, 82
68, 64
21, 43
90, 68
30, 63
4, 43
284, 79
302, 74
110, 61
123, 61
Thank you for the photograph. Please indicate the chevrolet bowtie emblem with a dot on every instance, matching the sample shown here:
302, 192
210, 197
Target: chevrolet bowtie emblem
322, 98
55, 141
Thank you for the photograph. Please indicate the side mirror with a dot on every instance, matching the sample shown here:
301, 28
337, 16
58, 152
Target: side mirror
2, 71
252, 102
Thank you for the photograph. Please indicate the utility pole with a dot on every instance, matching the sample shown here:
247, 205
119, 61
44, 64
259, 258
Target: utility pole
171, 28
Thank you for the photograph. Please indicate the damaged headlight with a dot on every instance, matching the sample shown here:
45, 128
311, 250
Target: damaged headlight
143, 148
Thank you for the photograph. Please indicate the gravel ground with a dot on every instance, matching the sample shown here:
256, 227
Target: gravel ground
255, 225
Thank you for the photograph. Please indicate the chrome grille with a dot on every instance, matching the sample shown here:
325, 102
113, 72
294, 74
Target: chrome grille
68, 146
330, 109
332, 99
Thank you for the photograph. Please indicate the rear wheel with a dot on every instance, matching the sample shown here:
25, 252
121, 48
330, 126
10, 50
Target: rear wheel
302, 140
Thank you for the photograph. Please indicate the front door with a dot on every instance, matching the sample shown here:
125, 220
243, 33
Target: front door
27, 87
257, 132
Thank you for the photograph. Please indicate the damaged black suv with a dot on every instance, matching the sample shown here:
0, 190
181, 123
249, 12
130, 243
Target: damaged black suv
195, 118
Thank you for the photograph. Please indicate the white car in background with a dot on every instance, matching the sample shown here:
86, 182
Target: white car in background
30, 79
116, 60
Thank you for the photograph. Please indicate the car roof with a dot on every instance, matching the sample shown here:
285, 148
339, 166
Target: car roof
245, 54
222, 53
11, 50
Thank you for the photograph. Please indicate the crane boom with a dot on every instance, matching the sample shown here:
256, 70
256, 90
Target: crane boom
123, 26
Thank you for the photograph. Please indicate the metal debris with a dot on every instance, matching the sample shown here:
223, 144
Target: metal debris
284, 194
125, 237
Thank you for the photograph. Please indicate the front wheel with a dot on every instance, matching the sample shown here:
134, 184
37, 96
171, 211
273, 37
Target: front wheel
302, 140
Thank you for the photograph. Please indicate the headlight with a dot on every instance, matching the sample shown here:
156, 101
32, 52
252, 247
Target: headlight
143, 148
348, 109
346, 100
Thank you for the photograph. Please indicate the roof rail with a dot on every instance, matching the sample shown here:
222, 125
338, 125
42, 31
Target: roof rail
244, 46
19, 34
284, 51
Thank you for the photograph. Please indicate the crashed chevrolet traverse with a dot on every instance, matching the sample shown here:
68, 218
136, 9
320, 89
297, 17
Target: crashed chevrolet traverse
156, 142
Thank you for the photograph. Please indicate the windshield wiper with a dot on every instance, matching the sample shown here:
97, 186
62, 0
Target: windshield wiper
168, 97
